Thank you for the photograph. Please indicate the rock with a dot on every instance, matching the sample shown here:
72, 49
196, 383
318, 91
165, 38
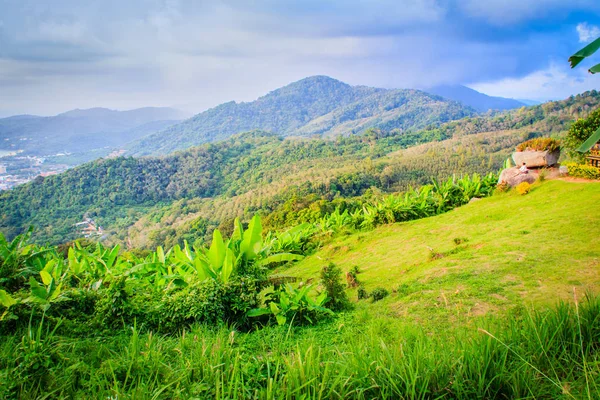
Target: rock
474, 199
536, 159
563, 170
512, 176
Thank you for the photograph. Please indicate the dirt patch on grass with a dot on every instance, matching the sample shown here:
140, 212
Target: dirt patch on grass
481, 308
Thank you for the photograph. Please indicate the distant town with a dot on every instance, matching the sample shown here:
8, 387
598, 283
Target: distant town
16, 170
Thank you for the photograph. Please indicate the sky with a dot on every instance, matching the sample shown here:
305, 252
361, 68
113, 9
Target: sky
194, 54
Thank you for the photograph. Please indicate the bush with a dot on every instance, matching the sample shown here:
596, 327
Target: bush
331, 279
379, 293
523, 188
583, 171
362, 293
539, 144
208, 301
579, 132
502, 187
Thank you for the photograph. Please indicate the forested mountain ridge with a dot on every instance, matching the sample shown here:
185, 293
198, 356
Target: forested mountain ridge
81, 130
257, 171
314, 105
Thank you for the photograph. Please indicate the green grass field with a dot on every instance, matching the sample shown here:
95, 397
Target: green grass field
487, 257
475, 311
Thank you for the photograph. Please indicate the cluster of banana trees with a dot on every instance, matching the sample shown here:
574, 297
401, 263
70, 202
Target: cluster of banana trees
426, 201
39, 275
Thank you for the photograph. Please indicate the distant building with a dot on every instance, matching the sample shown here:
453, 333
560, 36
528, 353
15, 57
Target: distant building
2, 169
48, 173
88, 228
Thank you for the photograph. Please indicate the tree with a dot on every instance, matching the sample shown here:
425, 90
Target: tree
581, 131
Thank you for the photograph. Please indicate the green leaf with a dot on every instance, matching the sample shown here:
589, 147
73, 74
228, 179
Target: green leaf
216, 253
257, 312
587, 51
595, 69
252, 239
112, 256
228, 266
274, 309
281, 319
37, 292
280, 257
6, 300
161, 254
46, 277
238, 230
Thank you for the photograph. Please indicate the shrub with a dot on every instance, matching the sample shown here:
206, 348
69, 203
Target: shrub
523, 188
362, 293
208, 301
459, 240
583, 171
579, 132
352, 279
331, 279
293, 305
379, 293
502, 187
539, 144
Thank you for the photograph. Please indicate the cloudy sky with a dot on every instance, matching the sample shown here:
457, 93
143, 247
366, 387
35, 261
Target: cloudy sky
63, 54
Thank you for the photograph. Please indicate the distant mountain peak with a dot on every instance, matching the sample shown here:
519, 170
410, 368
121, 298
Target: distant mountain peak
316, 105
471, 97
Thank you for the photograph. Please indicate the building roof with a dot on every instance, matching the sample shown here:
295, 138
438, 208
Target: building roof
590, 142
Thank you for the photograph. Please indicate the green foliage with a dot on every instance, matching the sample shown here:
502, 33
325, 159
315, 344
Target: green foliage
587, 51
362, 293
379, 293
331, 280
579, 132
583, 171
540, 144
540, 354
289, 305
184, 196
96, 288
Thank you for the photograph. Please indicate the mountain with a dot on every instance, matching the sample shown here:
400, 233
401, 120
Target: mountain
314, 105
472, 98
163, 199
81, 130
530, 102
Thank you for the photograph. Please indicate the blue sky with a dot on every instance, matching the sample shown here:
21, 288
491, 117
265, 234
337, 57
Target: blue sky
63, 54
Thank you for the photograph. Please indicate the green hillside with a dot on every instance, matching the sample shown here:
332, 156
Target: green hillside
489, 256
147, 202
314, 105
475, 316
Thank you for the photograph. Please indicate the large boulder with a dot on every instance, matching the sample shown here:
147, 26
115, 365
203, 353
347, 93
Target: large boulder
512, 176
536, 159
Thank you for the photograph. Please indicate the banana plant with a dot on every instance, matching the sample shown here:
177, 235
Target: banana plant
6, 301
291, 304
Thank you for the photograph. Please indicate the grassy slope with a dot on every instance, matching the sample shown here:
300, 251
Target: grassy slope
520, 250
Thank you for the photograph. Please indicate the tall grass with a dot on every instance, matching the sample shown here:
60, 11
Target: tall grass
536, 354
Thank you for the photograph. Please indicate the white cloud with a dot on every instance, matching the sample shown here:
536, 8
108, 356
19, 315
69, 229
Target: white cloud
554, 83
587, 33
